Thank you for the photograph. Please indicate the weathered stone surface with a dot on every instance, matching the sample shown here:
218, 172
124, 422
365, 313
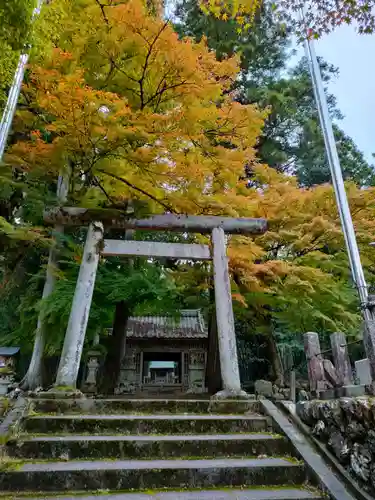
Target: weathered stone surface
225, 494
362, 370
12, 421
139, 447
154, 456
155, 406
143, 424
230, 374
330, 373
316, 464
93, 365
319, 429
355, 430
280, 393
339, 445
61, 394
351, 391
113, 218
263, 388
303, 395
134, 474
70, 358
360, 461
233, 406
347, 426
303, 409
341, 358
314, 361
327, 394
370, 441
330, 412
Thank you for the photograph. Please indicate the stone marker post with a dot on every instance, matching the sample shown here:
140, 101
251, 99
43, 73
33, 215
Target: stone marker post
79, 314
225, 321
362, 370
341, 358
314, 362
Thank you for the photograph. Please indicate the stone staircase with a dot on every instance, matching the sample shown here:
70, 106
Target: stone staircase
152, 449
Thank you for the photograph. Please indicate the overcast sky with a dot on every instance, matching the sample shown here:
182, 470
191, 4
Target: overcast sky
354, 55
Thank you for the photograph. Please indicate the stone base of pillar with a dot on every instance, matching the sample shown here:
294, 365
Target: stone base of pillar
227, 394
231, 402
351, 391
327, 394
54, 393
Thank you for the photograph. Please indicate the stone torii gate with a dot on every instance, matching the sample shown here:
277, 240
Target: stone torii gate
96, 245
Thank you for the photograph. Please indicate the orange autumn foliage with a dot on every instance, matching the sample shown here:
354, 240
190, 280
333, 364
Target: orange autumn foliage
137, 113
141, 112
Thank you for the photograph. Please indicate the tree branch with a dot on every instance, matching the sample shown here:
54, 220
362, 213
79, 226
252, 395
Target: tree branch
140, 190
101, 6
98, 184
148, 55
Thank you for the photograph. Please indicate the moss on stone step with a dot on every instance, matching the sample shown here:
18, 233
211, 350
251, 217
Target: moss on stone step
147, 425
91, 447
104, 492
148, 406
268, 472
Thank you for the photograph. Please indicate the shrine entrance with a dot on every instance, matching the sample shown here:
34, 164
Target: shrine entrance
162, 368
164, 354
221, 342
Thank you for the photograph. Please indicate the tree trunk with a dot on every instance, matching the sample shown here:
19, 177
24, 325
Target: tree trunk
116, 349
277, 369
117, 343
33, 377
76, 331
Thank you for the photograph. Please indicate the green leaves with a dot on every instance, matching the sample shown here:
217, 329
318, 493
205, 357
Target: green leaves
15, 18
15, 21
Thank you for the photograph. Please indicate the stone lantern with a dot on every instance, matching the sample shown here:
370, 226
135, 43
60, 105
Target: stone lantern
7, 367
94, 358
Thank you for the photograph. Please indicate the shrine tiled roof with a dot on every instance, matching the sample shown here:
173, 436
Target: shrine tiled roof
189, 324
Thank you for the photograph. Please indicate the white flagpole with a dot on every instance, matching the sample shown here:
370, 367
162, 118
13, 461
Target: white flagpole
14, 92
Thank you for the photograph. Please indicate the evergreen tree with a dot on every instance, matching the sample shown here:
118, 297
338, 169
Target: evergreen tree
291, 140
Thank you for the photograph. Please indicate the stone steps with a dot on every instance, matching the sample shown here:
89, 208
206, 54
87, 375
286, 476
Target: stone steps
146, 449
234, 494
151, 406
118, 446
147, 424
149, 474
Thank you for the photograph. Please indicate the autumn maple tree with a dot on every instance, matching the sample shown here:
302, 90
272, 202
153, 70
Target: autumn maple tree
136, 112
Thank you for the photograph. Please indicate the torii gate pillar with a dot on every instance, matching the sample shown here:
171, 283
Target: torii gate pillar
230, 374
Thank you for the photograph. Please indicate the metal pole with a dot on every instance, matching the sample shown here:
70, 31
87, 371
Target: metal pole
292, 386
337, 178
14, 92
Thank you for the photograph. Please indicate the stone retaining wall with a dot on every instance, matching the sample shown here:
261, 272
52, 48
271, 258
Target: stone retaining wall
347, 426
